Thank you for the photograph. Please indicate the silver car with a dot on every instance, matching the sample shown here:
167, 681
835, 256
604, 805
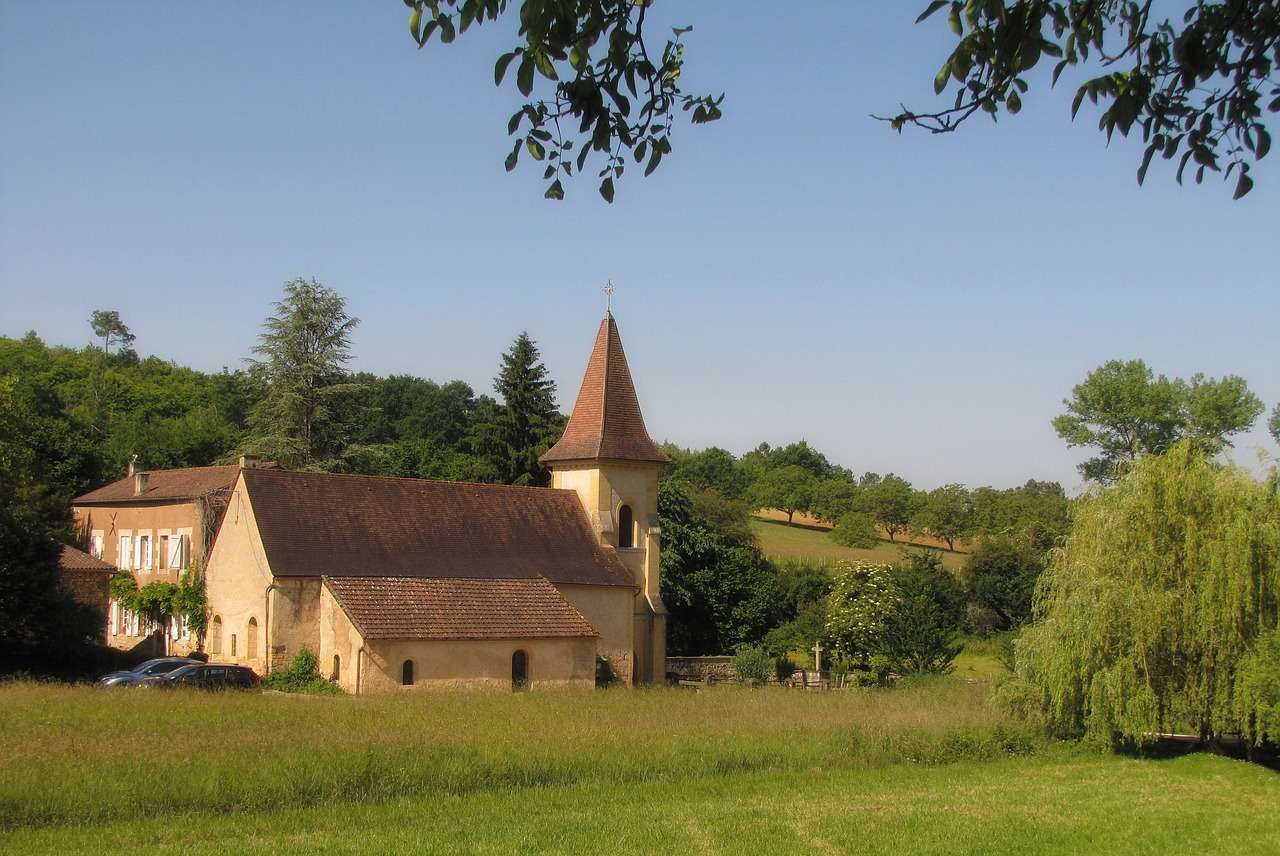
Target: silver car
142, 671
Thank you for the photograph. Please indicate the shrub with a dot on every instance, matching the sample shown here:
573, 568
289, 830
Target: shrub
752, 663
301, 676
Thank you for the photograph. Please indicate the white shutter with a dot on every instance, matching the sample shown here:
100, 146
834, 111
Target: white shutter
95, 545
115, 617
178, 552
126, 553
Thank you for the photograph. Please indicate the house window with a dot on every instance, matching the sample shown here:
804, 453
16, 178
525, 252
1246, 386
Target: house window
406, 673
337, 668
143, 553
162, 557
233, 644
251, 639
215, 635
95, 545
519, 670
626, 526
126, 553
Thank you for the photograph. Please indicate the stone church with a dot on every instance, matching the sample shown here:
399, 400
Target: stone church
408, 583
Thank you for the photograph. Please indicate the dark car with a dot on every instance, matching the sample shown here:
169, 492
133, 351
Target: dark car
142, 671
209, 676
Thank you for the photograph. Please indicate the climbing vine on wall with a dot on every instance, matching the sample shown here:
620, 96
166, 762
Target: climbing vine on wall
159, 600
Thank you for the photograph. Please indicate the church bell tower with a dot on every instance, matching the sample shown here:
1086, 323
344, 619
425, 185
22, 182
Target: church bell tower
606, 456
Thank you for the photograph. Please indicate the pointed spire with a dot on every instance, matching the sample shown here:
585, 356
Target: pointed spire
606, 423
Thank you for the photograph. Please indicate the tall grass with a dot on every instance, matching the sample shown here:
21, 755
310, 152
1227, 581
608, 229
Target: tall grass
82, 755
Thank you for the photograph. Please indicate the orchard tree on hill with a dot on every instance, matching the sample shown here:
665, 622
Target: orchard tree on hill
1196, 87
1125, 412
307, 415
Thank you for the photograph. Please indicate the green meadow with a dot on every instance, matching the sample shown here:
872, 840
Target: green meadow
926, 768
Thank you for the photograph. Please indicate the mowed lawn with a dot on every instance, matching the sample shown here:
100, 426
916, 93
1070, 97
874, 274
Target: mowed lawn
922, 769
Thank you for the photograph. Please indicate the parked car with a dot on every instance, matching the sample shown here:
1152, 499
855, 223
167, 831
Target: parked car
142, 671
209, 676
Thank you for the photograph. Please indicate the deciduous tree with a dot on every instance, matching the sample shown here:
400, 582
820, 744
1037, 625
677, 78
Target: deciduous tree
1125, 412
1197, 87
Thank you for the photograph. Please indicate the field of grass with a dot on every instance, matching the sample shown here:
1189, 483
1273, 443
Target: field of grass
925, 769
780, 541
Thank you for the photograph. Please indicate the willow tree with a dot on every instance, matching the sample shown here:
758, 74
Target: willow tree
1167, 585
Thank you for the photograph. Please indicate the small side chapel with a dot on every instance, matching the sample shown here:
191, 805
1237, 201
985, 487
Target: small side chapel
408, 583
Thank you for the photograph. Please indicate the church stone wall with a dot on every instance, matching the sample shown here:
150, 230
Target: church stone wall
608, 609
480, 664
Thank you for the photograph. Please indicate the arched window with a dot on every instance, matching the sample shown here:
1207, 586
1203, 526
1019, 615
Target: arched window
215, 635
337, 668
406, 674
233, 644
626, 527
519, 670
251, 639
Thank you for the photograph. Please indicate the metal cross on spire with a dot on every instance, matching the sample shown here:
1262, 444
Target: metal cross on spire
608, 296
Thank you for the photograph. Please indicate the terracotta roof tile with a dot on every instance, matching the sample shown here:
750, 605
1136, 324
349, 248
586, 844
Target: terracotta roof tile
322, 524
78, 560
414, 608
606, 422
166, 484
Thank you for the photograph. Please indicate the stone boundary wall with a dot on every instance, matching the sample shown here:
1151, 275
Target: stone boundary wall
701, 668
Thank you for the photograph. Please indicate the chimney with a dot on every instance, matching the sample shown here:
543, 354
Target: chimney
139, 482
250, 462
134, 466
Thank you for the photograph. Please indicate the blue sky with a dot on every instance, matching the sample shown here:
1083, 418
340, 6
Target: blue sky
905, 303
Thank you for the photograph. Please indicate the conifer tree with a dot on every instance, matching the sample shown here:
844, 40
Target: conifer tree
527, 423
305, 418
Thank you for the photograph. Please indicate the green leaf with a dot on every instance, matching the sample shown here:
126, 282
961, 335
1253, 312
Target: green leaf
545, 68
447, 32
500, 67
933, 7
415, 23
555, 191
1013, 103
1263, 144
606, 190
1243, 185
514, 124
953, 20
535, 148
940, 81
524, 75
514, 156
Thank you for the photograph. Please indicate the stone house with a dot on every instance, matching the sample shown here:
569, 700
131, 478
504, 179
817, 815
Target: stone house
86, 578
154, 525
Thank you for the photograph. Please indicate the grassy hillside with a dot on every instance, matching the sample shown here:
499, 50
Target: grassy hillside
925, 769
780, 541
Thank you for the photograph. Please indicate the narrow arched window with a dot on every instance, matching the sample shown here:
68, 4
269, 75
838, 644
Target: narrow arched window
251, 639
215, 635
337, 668
626, 525
406, 673
519, 670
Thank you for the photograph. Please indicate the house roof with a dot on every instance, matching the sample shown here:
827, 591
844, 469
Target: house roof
188, 483
606, 423
78, 560
323, 524
416, 608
